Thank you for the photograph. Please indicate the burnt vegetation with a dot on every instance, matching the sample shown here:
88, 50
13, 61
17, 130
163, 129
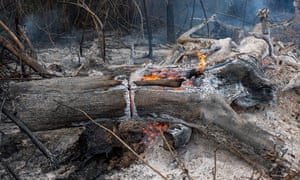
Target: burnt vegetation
89, 84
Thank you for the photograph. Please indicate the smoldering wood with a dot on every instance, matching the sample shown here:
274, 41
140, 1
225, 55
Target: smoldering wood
209, 113
219, 122
216, 50
161, 82
34, 101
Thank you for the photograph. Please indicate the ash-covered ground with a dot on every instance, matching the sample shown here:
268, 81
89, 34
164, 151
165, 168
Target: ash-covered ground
280, 118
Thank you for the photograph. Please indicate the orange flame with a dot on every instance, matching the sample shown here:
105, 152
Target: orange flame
150, 77
153, 130
202, 64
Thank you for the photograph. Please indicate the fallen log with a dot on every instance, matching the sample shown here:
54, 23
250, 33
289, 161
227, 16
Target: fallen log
35, 102
215, 119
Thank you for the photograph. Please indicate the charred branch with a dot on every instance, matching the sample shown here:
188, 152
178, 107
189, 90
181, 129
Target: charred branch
33, 138
23, 56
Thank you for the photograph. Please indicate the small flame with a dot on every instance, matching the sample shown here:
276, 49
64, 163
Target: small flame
150, 77
161, 74
202, 64
153, 130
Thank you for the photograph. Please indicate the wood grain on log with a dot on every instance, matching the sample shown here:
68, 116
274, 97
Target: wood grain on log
34, 102
214, 118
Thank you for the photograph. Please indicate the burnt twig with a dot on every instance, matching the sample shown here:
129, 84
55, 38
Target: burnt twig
33, 138
13, 36
175, 156
23, 56
215, 164
186, 36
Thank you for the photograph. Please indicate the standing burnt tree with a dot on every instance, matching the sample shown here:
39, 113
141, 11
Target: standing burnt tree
170, 21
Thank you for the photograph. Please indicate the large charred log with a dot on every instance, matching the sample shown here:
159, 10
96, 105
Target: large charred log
37, 102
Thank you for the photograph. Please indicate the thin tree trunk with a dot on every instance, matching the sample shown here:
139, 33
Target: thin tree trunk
193, 13
170, 22
149, 30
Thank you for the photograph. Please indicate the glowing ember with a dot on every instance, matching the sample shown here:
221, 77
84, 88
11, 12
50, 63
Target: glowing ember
202, 64
153, 130
161, 74
150, 77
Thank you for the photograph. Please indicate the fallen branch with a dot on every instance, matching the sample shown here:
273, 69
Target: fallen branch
186, 36
33, 138
215, 164
13, 36
24, 57
175, 156
75, 73
26, 38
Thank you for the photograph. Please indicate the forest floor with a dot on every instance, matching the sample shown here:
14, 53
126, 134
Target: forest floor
280, 118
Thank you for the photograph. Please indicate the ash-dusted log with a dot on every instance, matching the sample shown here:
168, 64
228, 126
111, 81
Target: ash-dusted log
217, 120
36, 104
210, 108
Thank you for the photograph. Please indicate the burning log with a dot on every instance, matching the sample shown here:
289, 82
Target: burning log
238, 80
213, 117
219, 50
161, 94
202, 107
